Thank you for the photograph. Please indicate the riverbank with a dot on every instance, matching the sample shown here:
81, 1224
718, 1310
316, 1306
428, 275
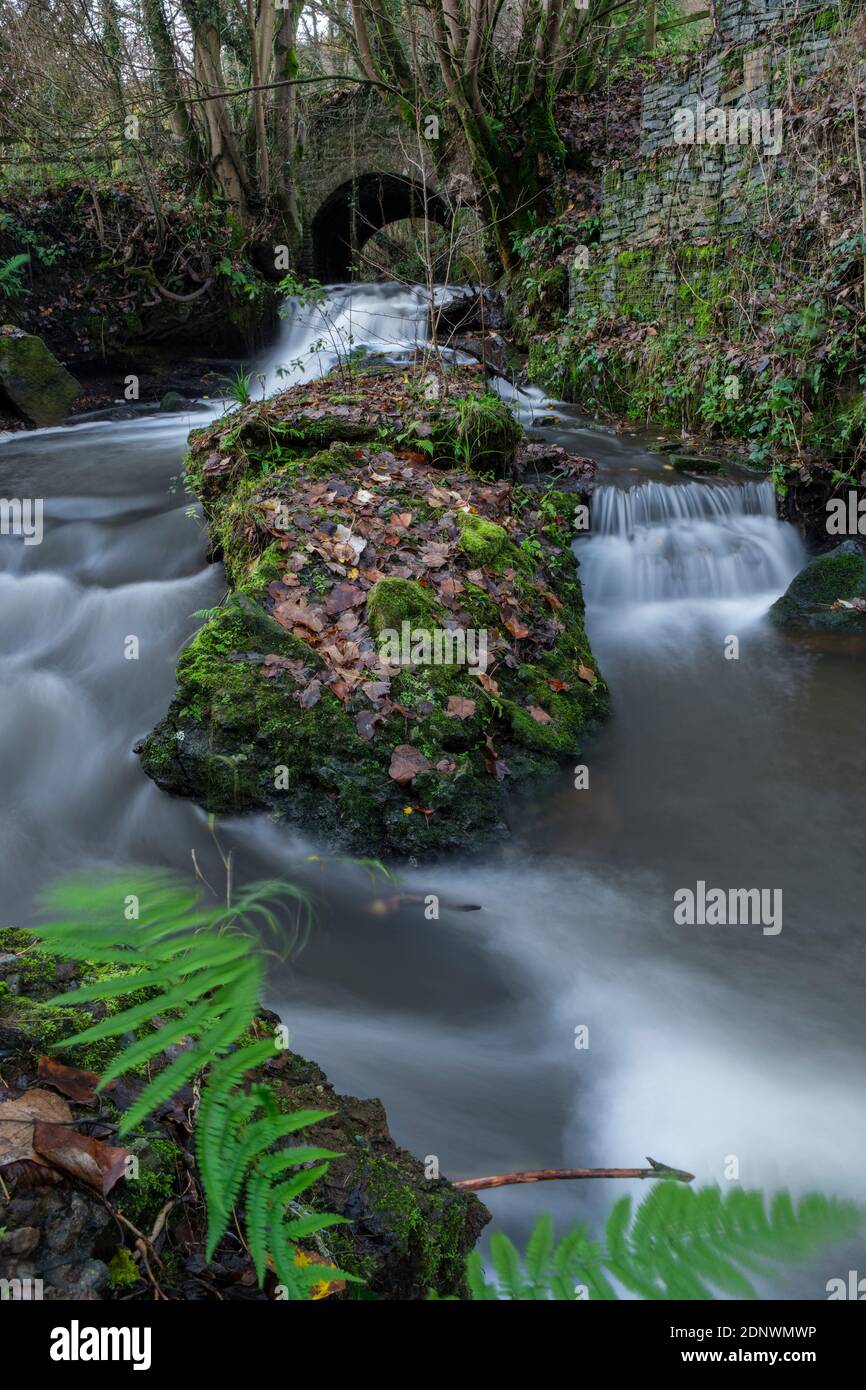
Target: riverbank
91, 1216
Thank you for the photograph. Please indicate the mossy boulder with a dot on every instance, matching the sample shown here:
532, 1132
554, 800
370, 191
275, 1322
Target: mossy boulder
403, 643
33, 380
829, 595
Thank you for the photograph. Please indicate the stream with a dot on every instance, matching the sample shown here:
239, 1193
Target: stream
706, 1043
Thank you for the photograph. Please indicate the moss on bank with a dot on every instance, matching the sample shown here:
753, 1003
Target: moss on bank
287, 698
407, 1232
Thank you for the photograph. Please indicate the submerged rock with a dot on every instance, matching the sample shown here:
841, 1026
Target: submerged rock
33, 380
404, 638
829, 595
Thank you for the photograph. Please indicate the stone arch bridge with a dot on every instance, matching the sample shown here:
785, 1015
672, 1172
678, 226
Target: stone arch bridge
361, 168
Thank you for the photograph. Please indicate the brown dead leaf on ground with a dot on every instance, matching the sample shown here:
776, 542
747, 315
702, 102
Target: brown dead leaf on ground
89, 1160
77, 1084
406, 763
292, 612
515, 624
344, 596
458, 707
539, 715
586, 674
18, 1117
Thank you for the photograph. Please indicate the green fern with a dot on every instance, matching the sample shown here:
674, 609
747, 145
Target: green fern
680, 1243
195, 973
11, 276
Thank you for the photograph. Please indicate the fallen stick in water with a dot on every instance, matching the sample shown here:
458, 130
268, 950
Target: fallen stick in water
656, 1170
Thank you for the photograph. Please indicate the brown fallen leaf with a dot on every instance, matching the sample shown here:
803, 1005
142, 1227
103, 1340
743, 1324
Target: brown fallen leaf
459, 708
365, 722
310, 697
557, 685
295, 613
406, 763
487, 682
344, 596
586, 674
90, 1160
515, 624
18, 1117
73, 1082
539, 715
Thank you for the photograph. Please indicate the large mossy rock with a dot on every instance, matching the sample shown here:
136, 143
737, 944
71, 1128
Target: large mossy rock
821, 596
33, 380
350, 520
407, 1234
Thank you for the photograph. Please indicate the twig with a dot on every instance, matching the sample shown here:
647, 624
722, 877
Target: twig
656, 1170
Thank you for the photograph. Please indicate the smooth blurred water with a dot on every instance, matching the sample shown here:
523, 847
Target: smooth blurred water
704, 1042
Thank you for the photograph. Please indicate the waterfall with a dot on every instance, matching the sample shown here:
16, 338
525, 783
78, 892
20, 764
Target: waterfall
655, 543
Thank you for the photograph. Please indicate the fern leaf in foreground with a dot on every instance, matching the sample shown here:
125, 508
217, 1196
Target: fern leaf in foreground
680, 1243
183, 971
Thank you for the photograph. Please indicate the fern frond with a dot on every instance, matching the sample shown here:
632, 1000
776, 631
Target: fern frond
679, 1244
200, 971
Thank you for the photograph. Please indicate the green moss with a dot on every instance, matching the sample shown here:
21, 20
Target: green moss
482, 540
141, 1198
122, 1269
393, 601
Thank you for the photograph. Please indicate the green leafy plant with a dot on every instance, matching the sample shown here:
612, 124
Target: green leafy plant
11, 277
174, 969
680, 1243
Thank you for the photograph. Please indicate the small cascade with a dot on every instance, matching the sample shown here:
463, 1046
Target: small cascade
655, 542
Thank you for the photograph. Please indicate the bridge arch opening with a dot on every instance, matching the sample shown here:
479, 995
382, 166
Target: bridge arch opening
359, 208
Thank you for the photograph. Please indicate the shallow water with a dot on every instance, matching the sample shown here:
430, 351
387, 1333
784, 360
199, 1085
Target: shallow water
705, 1042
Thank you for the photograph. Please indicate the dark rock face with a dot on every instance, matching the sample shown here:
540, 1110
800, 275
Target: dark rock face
829, 595
33, 380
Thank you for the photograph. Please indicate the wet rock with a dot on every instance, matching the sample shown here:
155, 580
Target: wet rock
173, 400
288, 699
470, 312
542, 459
32, 379
829, 595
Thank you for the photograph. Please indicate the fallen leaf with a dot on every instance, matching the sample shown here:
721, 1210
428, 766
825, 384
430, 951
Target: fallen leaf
90, 1160
365, 722
459, 708
539, 715
406, 763
310, 697
18, 1117
344, 596
557, 685
516, 626
586, 674
73, 1082
296, 613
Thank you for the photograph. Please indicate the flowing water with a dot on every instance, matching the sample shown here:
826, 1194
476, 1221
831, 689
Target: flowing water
709, 1047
